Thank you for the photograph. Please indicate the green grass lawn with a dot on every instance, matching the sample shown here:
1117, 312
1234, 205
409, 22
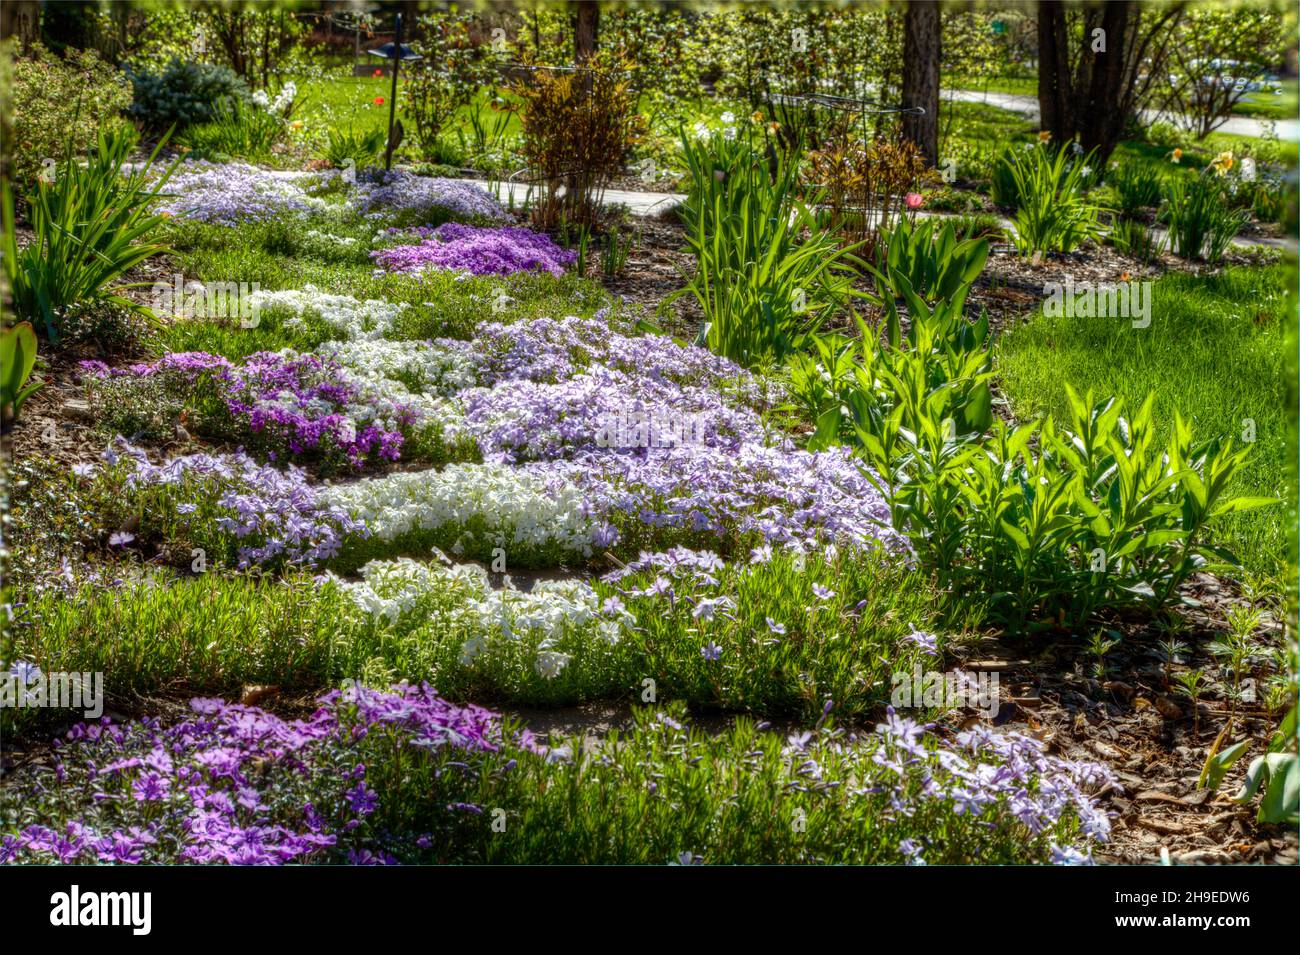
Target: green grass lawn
1267, 104
1215, 351
1021, 85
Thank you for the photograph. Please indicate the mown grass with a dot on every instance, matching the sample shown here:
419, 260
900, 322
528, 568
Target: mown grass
1214, 352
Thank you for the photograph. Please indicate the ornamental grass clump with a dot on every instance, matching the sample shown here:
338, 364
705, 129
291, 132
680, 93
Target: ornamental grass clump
1053, 211
91, 225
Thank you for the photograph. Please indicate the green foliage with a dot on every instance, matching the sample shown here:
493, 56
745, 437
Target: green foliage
209, 633
1053, 213
932, 259
17, 359
760, 288
361, 149
455, 67
1227, 333
235, 130
1137, 186
1135, 239
1097, 515
1200, 220
184, 93
59, 104
89, 229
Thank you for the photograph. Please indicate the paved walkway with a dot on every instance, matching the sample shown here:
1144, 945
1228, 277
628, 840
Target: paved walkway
1028, 106
653, 203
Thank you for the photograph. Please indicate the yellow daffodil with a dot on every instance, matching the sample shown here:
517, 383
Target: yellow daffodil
1044, 135
1222, 163
756, 117
1176, 155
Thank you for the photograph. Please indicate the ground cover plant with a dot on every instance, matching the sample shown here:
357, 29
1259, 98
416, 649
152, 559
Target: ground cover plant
695, 437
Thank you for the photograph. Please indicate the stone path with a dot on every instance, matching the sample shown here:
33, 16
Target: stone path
1027, 105
653, 203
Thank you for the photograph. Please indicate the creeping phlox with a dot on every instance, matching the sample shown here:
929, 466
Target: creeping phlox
502, 250
491, 506
460, 596
354, 318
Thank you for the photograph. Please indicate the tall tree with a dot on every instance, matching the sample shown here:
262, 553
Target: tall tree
586, 26
1096, 65
921, 77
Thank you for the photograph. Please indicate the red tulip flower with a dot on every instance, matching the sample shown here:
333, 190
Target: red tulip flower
379, 101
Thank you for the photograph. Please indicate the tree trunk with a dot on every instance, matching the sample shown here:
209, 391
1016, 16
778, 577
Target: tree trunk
921, 77
585, 28
1054, 80
1091, 94
20, 19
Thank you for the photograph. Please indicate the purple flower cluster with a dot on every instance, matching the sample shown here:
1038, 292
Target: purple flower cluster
549, 350
554, 384
273, 514
231, 193
699, 494
526, 420
1007, 770
299, 404
478, 250
377, 191
237, 785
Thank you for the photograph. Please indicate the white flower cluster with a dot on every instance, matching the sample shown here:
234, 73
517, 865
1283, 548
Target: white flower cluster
283, 100
372, 318
423, 367
327, 238
512, 508
462, 596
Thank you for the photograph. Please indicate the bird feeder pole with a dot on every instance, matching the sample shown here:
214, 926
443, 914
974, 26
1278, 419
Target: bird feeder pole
392, 96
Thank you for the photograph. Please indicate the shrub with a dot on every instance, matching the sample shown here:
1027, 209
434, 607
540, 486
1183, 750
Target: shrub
577, 127
184, 94
1053, 214
1200, 219
88, 229
864, 185
61, 104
